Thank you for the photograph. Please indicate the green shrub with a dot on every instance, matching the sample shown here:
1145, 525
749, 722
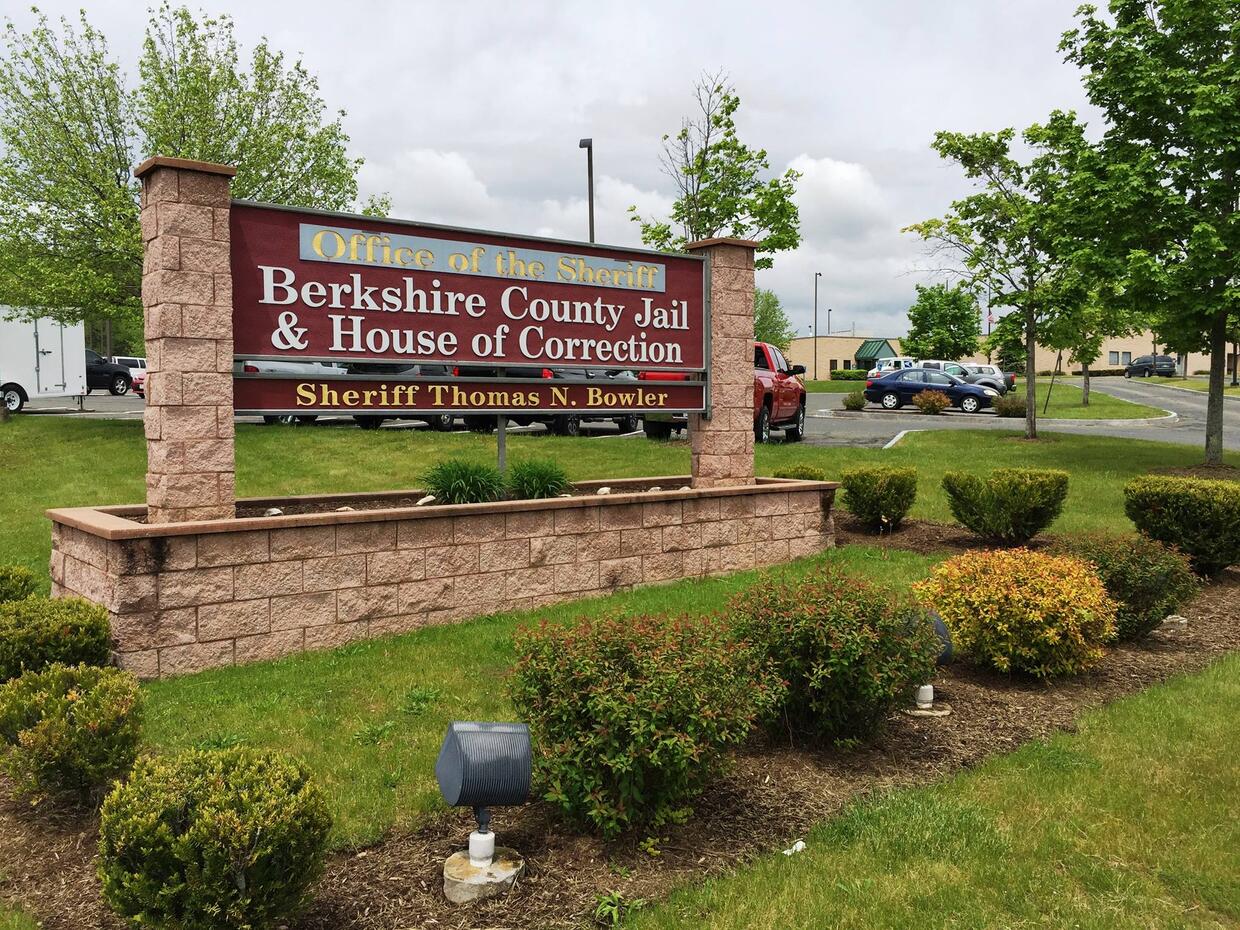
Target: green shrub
631, 716
38, 631
1017, 610
69, 728
847, 374
1010, 506
849, 651
855, 400
16, 583
1011, 406
931, 401
209, 839
458, 481
1146, 579
802, 473
537, 478
1199, 517
879, 496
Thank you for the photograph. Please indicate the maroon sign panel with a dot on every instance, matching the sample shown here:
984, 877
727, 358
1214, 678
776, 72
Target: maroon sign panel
309, 285
451, 395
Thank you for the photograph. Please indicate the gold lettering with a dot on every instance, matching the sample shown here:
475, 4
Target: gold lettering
559, 396
305, 395
317, 243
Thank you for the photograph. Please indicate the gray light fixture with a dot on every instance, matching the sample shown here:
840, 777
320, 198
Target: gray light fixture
483, 765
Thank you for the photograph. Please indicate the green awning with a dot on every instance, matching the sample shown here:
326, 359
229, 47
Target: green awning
875, 348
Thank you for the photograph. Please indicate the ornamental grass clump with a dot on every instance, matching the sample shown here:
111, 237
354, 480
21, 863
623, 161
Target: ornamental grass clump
854, 401
37, 631
459, 481
1199, 517
1146, 579
16, 583
931, 402
880, 496
534, 479
209, 839
632, 716
850, 652
69, 729
1021, 611
1011, 505
1010, 406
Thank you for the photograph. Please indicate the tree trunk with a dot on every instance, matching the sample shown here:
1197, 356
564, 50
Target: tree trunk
1218, 375
1085, 384
1031, 371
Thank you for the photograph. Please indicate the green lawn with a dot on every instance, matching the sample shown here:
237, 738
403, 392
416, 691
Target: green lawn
368, 718
833, 387
15, 920
1128, 823
1192, 384
1066, 404
59, 462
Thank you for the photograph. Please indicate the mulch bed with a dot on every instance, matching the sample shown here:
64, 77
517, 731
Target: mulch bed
775, 792
1212, 472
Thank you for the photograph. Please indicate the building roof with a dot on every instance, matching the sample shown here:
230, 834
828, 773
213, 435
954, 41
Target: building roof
875, 348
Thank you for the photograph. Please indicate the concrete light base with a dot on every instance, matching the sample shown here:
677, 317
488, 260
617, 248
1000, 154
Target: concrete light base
464, 883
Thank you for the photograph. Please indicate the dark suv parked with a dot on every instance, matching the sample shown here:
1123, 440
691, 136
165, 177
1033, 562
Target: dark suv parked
1148, 365
104, 375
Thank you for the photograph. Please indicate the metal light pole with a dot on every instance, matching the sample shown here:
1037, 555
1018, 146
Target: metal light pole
828, 321
588, 145
817, 275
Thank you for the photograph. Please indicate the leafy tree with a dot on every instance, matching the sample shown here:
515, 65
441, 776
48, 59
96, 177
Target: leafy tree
1166, 177
719, 179
770, 323
943, 323
1006, 343
999, 235
72, 129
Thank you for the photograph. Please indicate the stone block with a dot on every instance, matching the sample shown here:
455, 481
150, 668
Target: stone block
161, 321
268, 579
365, 537
203, 188
206, 387
141, 632
209, 255
701, 510
552, 550
577, 520
787, 526
333, 572
662, 566
501, 556
641, 542
241, 548
334, 634
773, 552
143, 665
196, 586
770, 505
620, 517
739, 506
808, 545
620, 573
133, 593
420, 596
303, 542
238, 618
221, 227
418, 534
395, 566
193, 221
680, 538
395, 624
530, 582
178, 287
719, 533
158, 554
591, 547
661, 513
526, 524
195, 657
302, 610
449, 561
738, 558
478, 528
366, 603
160, 186
208, 321
267, 646
576, 577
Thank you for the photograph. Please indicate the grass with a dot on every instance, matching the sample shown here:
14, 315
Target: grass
369, 717
833, 387
1128, 823
1200, 385
1066, 404
15, 920
65, 463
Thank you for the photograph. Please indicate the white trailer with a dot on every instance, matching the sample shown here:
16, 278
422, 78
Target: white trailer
40, 358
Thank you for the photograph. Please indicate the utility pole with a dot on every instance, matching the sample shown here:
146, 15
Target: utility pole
588, 145
817, 275
828, 321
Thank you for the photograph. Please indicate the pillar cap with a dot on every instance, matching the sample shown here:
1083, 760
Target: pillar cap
185, 164
707, 243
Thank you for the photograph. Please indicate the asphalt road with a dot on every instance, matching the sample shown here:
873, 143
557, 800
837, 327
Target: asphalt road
873, 427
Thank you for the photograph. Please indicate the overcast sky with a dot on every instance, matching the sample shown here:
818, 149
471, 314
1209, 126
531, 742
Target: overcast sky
469, 112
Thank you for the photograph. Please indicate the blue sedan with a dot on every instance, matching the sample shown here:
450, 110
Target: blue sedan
898, 388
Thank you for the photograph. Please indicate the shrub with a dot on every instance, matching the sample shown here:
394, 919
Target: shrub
1010, 506
69, 728
38, 631
457, 481
16, 583
1010, 405
802, 473
1146, 579
631, 716
1199, 517
1017, 610
537, 478
931, 401
880, 496
221, 838
855, 400
849, 651
847, 374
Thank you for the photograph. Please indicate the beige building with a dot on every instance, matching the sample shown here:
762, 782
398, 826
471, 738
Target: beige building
842, 352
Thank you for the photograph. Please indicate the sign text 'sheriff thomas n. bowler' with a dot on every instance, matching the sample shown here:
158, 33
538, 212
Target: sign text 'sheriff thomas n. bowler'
309, 285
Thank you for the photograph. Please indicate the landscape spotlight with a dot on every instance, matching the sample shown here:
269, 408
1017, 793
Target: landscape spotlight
483, 765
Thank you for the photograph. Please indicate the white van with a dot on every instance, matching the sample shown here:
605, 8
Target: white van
135, 364
885, 365
40, 358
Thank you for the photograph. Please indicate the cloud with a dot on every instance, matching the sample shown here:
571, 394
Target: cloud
425, 184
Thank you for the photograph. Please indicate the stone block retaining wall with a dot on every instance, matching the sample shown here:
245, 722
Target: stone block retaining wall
189, 596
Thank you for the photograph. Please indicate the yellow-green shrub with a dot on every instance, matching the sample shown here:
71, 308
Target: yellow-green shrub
16, 583
1018, 610
38, 631
1201, 518
1011, 505
880, 496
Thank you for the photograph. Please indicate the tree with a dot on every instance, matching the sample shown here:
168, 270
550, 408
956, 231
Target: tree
720, 184
943, 323
1166, 76
999, 235
73, 128
1006, 343
770, 323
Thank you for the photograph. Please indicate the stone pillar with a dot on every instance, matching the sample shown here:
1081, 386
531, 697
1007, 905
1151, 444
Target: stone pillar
722, 446
187, 305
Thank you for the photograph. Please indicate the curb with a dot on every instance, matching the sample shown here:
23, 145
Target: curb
1050, 421
1184, 390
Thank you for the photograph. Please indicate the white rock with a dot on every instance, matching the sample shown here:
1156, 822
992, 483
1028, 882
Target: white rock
798, 846
344, 509
603, 491
565, 495
655, 488
464, 882
422, 502
273, 512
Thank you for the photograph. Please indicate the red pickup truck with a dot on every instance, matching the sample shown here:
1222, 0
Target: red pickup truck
778, 398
